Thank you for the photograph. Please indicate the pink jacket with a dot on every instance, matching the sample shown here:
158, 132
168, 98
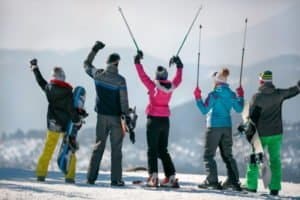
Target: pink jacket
159, 96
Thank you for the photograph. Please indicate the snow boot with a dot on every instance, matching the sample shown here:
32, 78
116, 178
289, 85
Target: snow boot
208, 185
152, 180
70, 180
41, 178
119, 183
170, 182
230, 185
274, 192
244, 187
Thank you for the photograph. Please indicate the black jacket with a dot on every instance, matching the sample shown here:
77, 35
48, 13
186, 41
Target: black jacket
111, 89
60, 97
269, 100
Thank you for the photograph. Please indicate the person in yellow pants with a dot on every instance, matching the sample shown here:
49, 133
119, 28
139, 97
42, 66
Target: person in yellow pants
60, 113
43, 162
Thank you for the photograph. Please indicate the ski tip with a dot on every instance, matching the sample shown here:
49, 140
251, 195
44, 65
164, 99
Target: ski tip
200, 26
119, 8
246, 20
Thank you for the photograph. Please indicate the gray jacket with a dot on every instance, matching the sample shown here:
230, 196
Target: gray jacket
111, 89
269, 99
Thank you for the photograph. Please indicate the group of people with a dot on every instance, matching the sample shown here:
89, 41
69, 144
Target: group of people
112, 103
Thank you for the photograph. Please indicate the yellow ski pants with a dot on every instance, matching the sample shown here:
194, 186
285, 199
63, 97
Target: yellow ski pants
45, 157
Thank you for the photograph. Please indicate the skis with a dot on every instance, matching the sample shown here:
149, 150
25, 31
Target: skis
69, 145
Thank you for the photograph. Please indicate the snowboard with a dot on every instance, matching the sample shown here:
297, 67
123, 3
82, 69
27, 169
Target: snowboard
247, 127
69, 144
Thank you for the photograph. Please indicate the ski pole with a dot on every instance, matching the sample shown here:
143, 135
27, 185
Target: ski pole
186, 35
198, 64
243, 51
127, 25
189, 30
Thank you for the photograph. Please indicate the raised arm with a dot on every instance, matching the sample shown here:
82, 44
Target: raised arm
88, 66
38, 76
178, 77
290, 92
204, 107
238, 100
142, 74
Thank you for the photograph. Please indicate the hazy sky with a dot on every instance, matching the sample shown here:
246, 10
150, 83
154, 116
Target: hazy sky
159, 25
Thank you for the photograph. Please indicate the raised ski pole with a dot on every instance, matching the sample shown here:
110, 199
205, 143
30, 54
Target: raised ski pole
243, 52
188, 32
198, 63
128, 27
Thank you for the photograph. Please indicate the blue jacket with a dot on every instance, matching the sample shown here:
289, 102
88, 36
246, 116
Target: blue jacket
218, 106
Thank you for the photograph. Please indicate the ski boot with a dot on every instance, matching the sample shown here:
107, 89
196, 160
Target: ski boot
70, 180
171, 182
152, 180
119, 183
41, 178
274, 192
208, 185
230, 185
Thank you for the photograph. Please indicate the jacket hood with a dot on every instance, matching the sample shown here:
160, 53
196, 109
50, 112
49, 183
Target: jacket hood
223, 90
267, 88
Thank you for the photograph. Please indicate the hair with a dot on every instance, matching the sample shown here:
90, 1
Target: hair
58, 73
225, 72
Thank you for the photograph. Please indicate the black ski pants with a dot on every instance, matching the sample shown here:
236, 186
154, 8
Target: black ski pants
157, 140
222, 138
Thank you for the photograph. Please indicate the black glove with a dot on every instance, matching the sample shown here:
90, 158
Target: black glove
97, 46
138, 57
34, 62
132, 137
78, 125
177, 61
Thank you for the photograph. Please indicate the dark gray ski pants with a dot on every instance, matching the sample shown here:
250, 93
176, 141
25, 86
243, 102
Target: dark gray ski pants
107, 125
222, 138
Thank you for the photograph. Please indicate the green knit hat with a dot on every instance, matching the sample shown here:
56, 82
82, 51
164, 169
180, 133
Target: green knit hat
266, 76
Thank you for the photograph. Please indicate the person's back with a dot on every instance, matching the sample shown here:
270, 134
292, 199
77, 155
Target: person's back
222, 101
59, 96
270, 100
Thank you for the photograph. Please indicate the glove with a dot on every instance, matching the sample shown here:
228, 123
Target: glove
177, 61
240, 91
33, 64
138, 57
73, 143
97, 46
197, 93
78, 125
132, 137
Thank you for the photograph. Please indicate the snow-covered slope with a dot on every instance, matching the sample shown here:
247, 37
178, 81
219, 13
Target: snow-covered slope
21, 184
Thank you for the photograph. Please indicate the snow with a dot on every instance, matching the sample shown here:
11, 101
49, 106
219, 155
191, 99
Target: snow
21, 184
